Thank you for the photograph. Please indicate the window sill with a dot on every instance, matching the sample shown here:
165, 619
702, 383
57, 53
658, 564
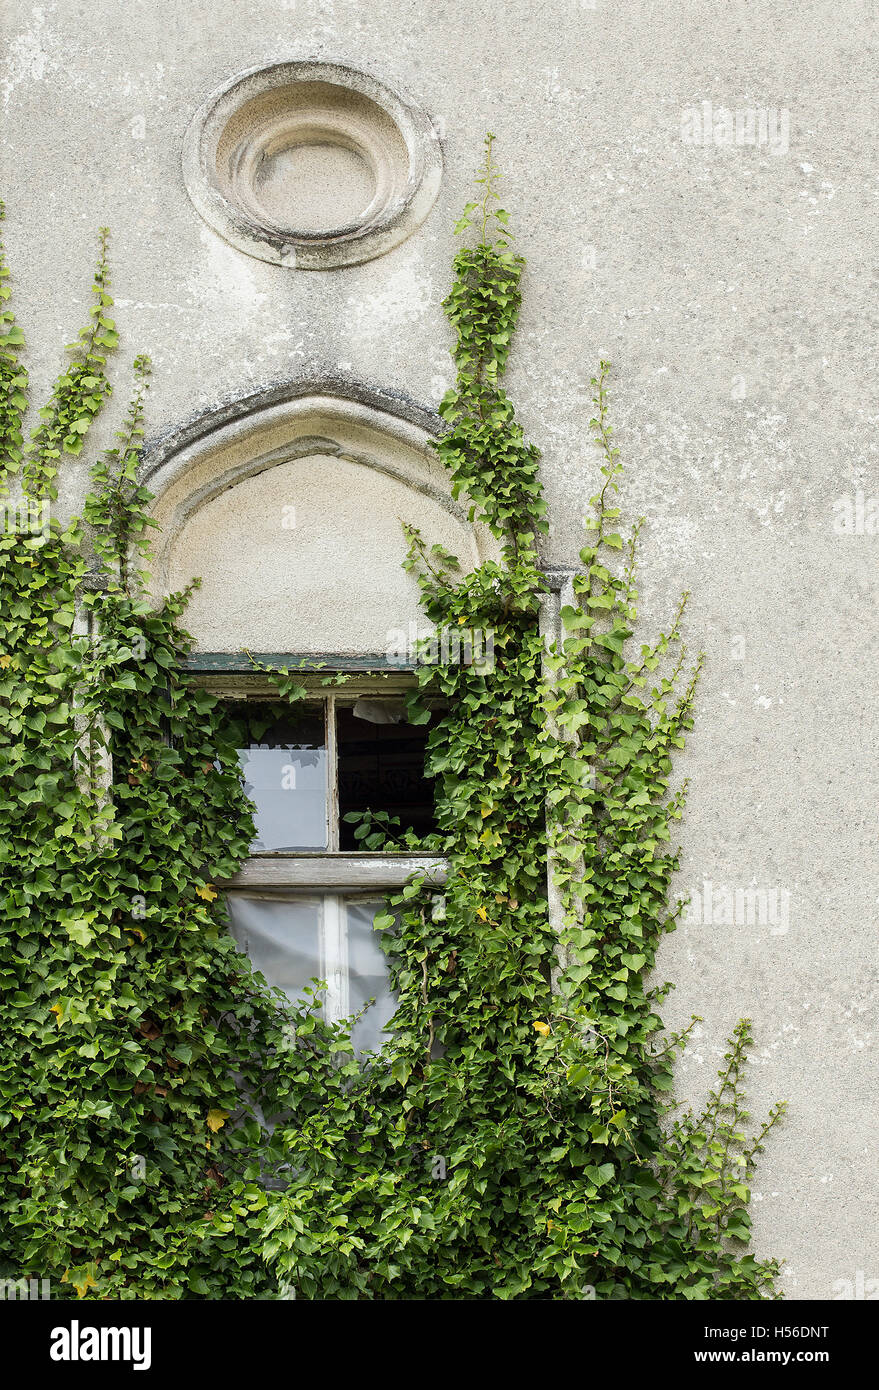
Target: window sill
329, 870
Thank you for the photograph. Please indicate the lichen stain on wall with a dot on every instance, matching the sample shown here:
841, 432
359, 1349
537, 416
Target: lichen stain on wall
30, 56
407, 295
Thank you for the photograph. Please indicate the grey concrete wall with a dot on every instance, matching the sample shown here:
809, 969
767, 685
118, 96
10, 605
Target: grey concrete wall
729, 283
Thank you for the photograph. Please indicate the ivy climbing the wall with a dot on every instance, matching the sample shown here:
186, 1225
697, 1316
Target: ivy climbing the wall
171, 1127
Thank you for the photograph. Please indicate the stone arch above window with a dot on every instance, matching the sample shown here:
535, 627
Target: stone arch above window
291, 515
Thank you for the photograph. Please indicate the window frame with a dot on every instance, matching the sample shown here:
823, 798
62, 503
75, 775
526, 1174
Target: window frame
331, 875
333, 934
332, 870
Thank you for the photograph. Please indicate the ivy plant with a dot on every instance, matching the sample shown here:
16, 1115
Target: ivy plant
172, 1127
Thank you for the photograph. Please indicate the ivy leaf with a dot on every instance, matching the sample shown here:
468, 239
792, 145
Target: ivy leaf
79, 931
400, 1070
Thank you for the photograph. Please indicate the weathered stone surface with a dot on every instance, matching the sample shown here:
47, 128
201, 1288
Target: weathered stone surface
729, 285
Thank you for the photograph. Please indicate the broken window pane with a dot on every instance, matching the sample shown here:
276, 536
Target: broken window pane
381, 767
283, 759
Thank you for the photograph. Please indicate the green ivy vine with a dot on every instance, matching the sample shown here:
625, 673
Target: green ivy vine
171, 1127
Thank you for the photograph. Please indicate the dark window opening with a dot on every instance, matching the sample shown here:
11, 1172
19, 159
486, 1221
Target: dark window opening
381, 768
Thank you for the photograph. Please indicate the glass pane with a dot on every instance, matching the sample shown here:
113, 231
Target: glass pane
284, 764
282, 939
368, 976
381, 767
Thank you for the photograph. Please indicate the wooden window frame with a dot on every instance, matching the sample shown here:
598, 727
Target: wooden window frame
331, 870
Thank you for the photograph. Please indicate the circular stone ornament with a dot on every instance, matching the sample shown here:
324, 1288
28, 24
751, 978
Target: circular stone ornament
311, 165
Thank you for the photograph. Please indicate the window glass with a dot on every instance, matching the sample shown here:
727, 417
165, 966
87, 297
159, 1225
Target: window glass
368, 977
293, 941
282, 939
284, 764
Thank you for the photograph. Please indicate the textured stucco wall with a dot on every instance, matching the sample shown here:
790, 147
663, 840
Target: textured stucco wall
333, 581
731, 287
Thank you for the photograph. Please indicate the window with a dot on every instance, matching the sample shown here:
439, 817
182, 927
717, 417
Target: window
304, 903
308, 771
292, 940
381, 767
284, 768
